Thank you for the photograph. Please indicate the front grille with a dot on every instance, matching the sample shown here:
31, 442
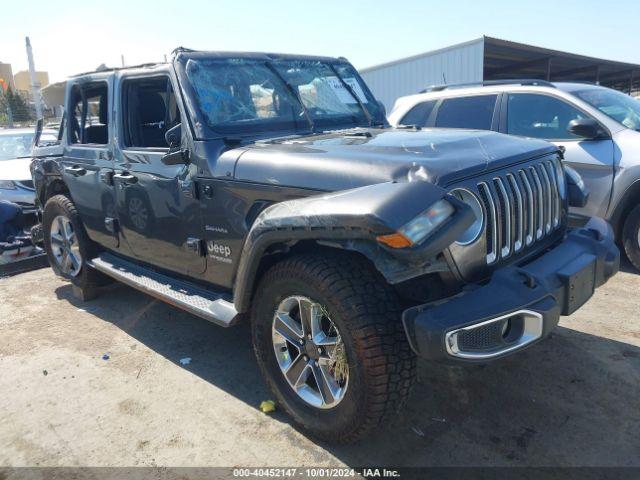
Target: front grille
523, 206
25, 184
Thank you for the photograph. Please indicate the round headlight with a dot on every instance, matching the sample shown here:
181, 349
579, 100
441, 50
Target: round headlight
475, 230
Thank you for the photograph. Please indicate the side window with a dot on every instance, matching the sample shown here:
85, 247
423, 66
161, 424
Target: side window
540, 116
89, 114
467, 112
419, 114
149, 109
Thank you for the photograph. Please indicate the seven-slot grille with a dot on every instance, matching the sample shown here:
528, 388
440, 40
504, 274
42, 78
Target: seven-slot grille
522, 206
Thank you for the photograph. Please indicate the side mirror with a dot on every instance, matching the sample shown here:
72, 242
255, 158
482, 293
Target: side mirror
176, 155
586, 128
578, 192
173, 136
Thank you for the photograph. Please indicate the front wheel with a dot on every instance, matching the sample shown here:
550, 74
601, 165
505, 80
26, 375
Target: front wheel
631, 237
329, 341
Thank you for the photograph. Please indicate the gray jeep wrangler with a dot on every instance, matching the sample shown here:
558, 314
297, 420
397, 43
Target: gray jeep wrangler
270, 189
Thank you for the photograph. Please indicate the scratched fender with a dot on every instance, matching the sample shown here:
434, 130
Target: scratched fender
352, 219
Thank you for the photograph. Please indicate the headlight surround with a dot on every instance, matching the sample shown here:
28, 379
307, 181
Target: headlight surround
418, 229
421, 227
477, 227
7, 185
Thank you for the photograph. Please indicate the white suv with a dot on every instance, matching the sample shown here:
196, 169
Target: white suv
599, 128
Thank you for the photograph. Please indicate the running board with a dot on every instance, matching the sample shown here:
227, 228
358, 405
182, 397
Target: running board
212, 306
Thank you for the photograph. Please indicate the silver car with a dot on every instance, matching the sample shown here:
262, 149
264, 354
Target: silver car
598, 127
15, 157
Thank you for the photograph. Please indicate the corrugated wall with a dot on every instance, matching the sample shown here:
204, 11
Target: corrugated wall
455, 64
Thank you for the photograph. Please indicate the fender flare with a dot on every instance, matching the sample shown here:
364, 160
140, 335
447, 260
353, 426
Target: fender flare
46, 173
623, 207
352, 219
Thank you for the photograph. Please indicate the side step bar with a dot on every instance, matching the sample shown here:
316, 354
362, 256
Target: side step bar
215, 307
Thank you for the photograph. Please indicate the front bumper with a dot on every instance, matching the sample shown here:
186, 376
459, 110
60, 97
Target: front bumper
26, 199
519, 305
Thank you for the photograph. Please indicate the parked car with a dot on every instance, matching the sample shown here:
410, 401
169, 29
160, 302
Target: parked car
270, 189
599, 128
16, 184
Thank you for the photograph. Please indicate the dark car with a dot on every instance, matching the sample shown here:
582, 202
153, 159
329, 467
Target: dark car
270, 189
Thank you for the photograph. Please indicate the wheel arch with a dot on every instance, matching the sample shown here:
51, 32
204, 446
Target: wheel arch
280, 251
349, 220
630, 199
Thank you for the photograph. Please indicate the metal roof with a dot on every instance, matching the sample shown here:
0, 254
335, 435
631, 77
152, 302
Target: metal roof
505, 59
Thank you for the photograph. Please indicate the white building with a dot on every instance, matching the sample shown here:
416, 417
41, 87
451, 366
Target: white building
488, 58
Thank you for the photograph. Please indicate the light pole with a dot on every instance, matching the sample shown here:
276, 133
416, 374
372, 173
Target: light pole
35, 85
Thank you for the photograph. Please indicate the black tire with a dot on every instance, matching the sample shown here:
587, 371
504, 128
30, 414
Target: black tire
367, 313
631, 237
61, 205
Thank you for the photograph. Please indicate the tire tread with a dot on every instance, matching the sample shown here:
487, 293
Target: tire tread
374, 324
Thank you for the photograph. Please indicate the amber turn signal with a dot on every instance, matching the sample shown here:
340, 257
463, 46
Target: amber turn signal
395, 240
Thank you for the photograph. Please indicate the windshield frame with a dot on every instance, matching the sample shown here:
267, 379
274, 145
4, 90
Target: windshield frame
203, 131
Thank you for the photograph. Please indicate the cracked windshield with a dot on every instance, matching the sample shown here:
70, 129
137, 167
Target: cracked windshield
237, 94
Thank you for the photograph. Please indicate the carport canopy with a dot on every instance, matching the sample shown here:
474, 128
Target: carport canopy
504, 59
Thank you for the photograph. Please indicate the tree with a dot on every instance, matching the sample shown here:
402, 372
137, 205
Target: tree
19, 108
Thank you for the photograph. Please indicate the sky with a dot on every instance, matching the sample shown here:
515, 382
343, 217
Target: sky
75, 36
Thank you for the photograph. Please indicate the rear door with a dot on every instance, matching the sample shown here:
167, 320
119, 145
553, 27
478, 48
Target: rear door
158, 209
88, 157
547, 117
477, 112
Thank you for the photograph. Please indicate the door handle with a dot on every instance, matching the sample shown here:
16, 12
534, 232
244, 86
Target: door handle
75, 170
126, 178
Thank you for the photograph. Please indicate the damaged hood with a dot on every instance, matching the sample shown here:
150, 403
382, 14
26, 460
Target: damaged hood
355, 158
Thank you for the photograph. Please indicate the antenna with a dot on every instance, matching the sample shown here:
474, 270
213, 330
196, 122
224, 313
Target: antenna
122, 60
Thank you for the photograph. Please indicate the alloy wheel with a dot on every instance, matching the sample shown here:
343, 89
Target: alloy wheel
65, 247
310, 352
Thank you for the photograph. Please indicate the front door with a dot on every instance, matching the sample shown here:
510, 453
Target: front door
547, 117
158, 210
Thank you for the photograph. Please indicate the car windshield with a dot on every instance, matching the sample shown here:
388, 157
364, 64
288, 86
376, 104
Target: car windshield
236, 95
16, 145
622, 108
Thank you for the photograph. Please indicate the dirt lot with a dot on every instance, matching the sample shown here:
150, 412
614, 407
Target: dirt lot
571, 400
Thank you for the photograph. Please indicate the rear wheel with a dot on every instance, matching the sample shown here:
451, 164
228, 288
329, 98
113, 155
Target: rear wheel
631, 237
67, 245
329, 341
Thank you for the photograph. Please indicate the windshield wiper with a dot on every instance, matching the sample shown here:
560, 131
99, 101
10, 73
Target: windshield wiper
295, 93
353, 94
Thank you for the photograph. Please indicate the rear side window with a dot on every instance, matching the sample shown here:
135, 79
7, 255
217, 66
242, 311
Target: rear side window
89, 114
540, 116
419, 115
149, 110
467, 112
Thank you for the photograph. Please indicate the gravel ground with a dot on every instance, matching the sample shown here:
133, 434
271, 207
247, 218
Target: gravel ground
573, 399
